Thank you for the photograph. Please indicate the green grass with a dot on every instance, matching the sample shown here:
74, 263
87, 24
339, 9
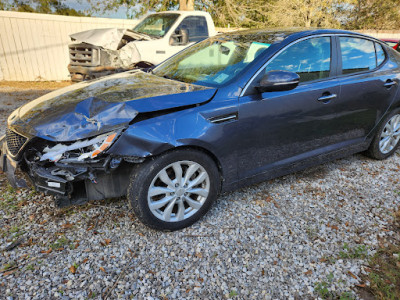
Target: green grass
9, 265
8, 200
384, 277
30, 267
232, 294
325, 291
358, 252
61, 242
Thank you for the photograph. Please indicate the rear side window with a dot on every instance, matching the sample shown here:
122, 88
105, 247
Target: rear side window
380, 54
196, 27
310, 59
358, 55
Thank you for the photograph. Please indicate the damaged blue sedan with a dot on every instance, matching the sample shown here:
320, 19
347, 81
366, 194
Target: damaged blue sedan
229, 111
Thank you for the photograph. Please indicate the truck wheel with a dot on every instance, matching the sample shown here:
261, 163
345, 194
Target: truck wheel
173, 190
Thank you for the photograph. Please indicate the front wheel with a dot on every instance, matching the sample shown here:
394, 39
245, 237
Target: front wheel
174, 190
387, 138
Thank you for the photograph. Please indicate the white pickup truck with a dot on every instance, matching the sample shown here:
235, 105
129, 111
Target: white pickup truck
98, 52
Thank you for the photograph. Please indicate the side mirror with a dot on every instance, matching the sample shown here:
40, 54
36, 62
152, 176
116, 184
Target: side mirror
278, 81
179, 38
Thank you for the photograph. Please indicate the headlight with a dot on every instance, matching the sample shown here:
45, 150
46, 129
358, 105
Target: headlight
80, 150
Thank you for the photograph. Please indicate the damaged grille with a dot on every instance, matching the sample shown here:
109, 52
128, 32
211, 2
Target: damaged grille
15, 141
84, 55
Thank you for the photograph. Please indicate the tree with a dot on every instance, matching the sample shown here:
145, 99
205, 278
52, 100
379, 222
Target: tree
40, 6
374, 14
136, 8
350, 14
305, 13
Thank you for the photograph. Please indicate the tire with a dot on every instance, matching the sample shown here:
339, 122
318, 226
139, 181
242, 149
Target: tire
163, 200
387, 138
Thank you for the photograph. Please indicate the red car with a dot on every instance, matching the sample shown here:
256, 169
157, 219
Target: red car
393, 43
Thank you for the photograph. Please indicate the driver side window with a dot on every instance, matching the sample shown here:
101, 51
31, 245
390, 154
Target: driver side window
196, 28
310, 59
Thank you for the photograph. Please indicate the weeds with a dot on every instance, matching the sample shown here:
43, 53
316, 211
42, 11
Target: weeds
384, 275
61, 243
9, 265
30, 267
312, 233
325, 291
232, 294
359, 252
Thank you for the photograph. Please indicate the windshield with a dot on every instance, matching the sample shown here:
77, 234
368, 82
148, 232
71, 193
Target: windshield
157, 24
212, 62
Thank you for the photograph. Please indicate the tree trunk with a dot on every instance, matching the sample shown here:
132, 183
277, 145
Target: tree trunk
190, 5
182, 5
186, 4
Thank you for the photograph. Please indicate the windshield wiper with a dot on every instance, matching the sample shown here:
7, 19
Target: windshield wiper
171, 78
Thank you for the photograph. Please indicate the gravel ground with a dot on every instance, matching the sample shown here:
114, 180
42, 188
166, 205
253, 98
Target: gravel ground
287, 238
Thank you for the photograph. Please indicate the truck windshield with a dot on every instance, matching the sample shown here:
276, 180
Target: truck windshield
156, 24
212, 62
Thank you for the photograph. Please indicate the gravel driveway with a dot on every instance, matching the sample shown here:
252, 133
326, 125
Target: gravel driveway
287, 238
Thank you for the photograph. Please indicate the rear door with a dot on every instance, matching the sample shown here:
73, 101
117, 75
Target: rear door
367, 85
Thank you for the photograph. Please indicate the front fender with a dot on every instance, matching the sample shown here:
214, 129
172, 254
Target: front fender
188, 128
157, 135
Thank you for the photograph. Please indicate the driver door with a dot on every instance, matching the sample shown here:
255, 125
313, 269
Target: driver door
283, 127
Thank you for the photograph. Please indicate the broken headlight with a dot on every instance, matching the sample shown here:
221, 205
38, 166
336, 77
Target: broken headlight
80, 150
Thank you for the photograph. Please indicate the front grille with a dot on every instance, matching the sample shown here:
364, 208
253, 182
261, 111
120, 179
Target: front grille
14, 141
84, 55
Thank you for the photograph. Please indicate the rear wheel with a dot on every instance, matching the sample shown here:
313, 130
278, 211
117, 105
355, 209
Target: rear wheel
387, 138
174, 190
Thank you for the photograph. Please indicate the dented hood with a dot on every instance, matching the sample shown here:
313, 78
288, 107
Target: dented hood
87, 109
108, 38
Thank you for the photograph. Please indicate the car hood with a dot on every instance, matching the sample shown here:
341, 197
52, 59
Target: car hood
108, 38
87, 109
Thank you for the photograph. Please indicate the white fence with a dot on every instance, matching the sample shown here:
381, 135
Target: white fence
35, 46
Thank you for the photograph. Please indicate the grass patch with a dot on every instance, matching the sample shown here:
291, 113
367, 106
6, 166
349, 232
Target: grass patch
61, 243
324, 290
9, 265
384, 277
358, 252
30, 267
232, 294
8, 200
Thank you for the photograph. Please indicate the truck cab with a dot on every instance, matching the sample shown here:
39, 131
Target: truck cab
99, 52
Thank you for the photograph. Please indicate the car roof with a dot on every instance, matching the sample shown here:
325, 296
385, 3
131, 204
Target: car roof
184, 12
390, 40
272, 35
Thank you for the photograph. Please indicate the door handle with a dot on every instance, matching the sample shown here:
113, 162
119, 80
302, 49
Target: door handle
327, 98
389, 83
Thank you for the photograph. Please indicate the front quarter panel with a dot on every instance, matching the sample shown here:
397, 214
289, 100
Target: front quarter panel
186, 128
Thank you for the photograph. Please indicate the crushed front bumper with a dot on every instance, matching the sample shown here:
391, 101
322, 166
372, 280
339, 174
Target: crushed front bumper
97, 182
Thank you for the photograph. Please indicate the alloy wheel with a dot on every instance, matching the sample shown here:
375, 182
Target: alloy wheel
178, 191
390, 135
